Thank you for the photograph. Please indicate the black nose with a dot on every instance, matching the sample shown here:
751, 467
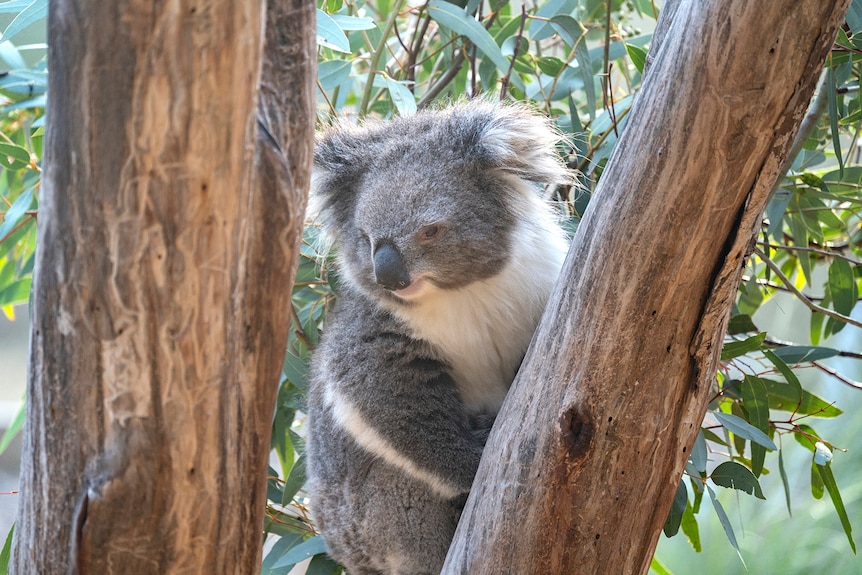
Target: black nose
389, 270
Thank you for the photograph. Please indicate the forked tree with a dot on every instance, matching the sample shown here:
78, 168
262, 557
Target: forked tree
177, 155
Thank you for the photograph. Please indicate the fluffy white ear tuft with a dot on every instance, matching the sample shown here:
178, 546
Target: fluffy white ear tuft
516, 140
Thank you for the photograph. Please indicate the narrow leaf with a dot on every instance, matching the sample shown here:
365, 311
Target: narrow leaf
699, 452
755, 398
834, 116
690, 528
734, 349
456, 19
725, 523
6, 553
785, 397
743, 429
832, 487
794, 354
14, 428
658, 568
346, 22
36, 11
677, 508
785, 370
842, 286
784, 481
301, 552
16, 212
638, 56
333, 73
735, 476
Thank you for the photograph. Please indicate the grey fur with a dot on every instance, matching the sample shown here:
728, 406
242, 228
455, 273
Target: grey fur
399, 411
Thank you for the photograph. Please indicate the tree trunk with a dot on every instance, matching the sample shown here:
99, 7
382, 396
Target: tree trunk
169, 226
582, 467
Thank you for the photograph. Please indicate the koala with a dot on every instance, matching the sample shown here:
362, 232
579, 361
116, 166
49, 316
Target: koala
447, 256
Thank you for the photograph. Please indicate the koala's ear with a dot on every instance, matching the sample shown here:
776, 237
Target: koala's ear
513, 139
340, 157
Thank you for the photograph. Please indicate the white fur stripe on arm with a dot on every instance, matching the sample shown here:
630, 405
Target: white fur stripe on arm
348, 417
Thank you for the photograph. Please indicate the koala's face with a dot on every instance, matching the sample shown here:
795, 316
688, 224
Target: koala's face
422, 220
432, 200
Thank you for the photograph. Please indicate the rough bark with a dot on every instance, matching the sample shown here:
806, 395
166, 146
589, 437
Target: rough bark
169, 226
580, 472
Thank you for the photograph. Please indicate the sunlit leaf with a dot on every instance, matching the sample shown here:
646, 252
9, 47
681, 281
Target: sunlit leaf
828, 478
638, 56
755, 398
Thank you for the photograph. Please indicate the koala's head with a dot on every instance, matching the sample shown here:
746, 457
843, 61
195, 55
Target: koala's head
431, 199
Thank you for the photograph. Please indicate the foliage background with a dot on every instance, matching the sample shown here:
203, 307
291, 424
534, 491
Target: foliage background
579, 61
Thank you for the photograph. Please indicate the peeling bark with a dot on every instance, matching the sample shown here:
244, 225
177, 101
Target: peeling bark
582, 466
169, 227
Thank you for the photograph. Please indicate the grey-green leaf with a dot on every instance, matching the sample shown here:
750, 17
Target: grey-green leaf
744, 429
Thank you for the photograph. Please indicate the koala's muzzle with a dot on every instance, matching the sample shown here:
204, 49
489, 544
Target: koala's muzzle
389, 270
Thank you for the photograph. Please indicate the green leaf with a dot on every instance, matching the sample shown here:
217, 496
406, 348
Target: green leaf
677, 508
699, 452
725, 522
16, 293
817, 487
280, 547
301, 552
734, 349
15, 212
690, 528
401, 96
569, 29
329, 34
785, 370
456, 19
743, 429
756, 401
550, 65
14, 6
832, 104
322, 565
294, 481
333, 73
842, 287
786, 398
828, 478
14, 157
784, 480
638, 56
14, 428
540, 28
6, 553
735, 476
345, 22
658, 568
741, 323
37, 10
793, 354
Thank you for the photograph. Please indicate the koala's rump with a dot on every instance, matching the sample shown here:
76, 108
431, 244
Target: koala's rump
374, 517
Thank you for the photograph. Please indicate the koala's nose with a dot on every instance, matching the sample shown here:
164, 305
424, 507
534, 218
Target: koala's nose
389, 270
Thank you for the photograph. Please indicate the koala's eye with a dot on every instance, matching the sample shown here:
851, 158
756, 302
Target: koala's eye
428, 233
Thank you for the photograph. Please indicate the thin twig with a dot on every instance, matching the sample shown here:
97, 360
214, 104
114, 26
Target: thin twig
836, 375
782, 343
802, 297
504, 85
375, 58
826, 253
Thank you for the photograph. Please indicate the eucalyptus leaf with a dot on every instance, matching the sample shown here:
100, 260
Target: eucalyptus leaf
732, 475
742, 428
301, 552
329, 34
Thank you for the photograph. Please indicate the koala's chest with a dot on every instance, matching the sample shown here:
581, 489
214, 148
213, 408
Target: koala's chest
482, 340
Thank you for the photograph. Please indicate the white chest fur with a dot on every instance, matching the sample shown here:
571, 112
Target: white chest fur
484, 329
